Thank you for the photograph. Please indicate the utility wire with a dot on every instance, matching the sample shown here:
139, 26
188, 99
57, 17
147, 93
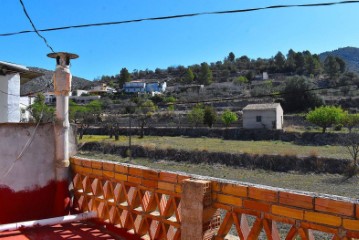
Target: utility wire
173, 17
25, 148
48, 85
33, 26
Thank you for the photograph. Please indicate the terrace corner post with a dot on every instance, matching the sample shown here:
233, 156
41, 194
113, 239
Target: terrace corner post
199, 220
62, 88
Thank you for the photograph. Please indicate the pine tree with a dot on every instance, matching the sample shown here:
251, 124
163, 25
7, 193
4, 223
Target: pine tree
125, 76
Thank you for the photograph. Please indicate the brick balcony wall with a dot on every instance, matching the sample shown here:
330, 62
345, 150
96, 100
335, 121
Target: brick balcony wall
153, 203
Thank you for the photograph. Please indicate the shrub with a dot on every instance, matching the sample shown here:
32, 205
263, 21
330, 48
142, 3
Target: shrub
240, 80
338, 127
351, 171
229, 117
196, 115
325, 116
210, 116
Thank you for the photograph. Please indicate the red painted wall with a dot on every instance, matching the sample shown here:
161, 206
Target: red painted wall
41, 202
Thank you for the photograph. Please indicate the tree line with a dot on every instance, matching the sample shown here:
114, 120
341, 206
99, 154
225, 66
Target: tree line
293, 63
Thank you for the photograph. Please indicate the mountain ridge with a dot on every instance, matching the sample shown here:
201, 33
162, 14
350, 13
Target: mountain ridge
350, 55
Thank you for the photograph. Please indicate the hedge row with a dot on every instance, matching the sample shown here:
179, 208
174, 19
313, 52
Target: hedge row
306, 138
268, 162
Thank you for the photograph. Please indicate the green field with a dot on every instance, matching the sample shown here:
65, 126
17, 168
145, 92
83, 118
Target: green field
231, 146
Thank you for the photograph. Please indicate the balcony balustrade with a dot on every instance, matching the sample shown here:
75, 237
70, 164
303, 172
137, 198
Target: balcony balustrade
169, 205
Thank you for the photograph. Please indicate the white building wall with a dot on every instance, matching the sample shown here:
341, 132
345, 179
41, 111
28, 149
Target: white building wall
50, 98
280, 118
133, 87
25, 102
102, 87
78, 92
163, 86
35, 168
267, 118
152, 87
10, 98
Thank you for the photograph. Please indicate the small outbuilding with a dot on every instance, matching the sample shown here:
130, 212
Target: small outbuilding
11, 77
268, 115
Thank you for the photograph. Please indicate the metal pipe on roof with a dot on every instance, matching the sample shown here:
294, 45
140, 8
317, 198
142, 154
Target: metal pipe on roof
48, 221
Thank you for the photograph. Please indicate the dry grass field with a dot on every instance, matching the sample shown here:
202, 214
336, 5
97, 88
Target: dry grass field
231, 146
334, 184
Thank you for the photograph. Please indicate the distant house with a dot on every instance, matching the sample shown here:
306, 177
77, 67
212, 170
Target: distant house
134, 87
156, 87
79, 92
143, 87
85, 99
83, 96
101, 89
269, 115
50, 98
260, 77
265, 76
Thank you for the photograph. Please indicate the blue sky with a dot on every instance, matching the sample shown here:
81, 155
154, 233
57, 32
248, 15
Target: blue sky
186, 41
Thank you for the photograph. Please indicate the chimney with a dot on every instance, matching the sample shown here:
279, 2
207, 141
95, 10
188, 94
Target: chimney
62, 88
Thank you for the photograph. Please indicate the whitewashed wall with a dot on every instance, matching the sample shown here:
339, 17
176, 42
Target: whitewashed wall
268, 116
10, 98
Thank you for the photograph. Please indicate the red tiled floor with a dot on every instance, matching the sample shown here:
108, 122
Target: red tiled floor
77, 230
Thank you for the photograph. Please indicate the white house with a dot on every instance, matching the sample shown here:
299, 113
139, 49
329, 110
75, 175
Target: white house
268, 115
79, 92
102, 89
156, 87
11, 76
50, 98
85, 99
143, 87
134, 87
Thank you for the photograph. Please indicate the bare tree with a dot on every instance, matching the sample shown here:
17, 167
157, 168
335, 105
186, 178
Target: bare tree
113, 126
351, 143
144, 113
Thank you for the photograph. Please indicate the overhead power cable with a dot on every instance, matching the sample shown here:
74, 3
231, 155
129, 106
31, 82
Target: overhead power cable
175, 16
47, 86
33, 26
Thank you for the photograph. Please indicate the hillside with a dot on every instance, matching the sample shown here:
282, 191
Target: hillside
40, 83
223, 72
349, 54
